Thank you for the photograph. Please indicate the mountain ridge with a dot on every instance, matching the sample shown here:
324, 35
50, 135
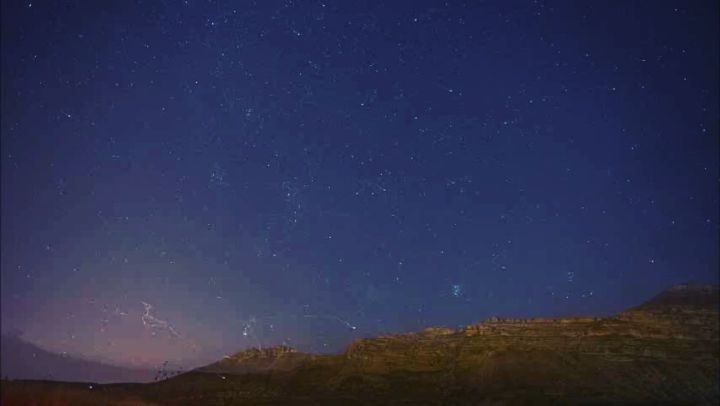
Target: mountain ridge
663, 351
686, 295
667, 345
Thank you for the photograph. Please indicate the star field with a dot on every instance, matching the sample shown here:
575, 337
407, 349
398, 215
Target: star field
185, 179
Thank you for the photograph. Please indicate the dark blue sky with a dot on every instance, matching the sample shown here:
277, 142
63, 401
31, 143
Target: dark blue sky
182, 179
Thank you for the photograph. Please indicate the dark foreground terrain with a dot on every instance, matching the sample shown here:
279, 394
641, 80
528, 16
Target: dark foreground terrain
664, 351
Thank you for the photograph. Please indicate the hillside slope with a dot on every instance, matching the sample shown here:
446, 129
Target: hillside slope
664, 351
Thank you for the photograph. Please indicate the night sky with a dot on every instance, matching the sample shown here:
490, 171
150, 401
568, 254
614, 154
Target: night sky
186, 179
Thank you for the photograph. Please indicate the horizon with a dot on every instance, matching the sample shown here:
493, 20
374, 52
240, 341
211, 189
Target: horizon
179, 368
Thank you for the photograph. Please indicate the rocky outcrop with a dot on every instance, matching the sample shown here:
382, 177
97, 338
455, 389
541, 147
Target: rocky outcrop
681, 322
687, 297
255, 360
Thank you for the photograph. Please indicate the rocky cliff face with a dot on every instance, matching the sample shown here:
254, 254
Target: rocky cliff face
681, 323
683, 311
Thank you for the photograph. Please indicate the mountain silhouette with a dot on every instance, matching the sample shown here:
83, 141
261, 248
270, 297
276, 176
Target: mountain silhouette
663, 351
20, 359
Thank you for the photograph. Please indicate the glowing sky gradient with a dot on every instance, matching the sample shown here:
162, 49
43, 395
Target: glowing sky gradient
310, 173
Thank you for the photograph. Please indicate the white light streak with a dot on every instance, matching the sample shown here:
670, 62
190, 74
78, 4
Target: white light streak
152, 322
346, 323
